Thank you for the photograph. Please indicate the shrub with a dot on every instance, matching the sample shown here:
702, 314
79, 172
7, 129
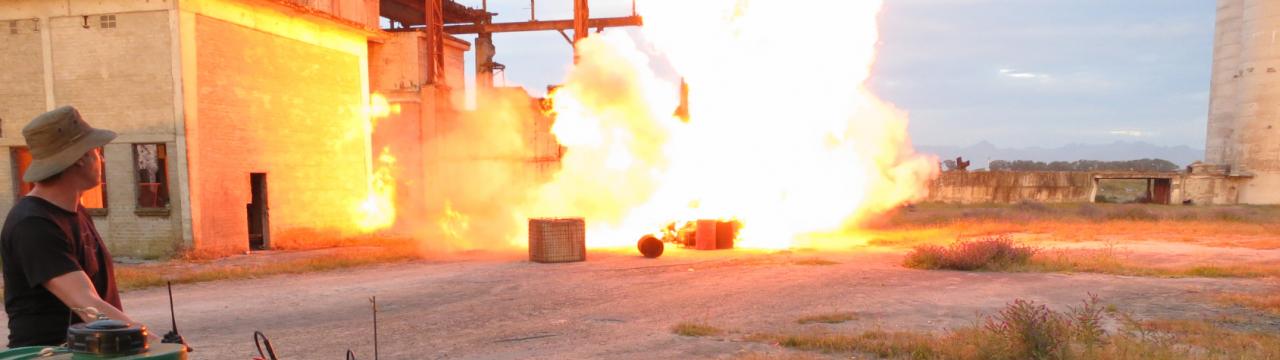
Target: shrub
989, 253
1030, 331
1026, 330
830, 318
695, 329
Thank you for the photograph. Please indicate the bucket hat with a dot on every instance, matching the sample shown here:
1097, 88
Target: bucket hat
57, 139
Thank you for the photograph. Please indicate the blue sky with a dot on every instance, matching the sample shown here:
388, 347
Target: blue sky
1017, 73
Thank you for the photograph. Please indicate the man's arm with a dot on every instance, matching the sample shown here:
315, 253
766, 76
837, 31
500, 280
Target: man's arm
76, 291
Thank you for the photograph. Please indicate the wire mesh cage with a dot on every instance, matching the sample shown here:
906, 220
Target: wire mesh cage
556, 240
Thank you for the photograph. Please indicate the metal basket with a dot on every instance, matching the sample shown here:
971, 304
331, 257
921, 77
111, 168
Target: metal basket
557, 240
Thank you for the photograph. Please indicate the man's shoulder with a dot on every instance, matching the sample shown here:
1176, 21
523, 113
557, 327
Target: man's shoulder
29, 210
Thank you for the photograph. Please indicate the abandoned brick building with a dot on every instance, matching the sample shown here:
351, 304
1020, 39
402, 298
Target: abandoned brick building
224, 107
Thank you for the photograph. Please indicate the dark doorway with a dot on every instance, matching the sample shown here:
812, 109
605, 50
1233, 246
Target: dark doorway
259, 226
1161, 190
1134, 190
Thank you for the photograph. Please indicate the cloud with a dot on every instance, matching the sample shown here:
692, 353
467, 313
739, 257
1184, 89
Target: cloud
1011, 73
1130, 133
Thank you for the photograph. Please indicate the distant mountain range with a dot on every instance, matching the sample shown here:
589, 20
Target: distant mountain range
982, 153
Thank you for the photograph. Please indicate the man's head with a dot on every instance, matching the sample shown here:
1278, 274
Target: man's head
64, 148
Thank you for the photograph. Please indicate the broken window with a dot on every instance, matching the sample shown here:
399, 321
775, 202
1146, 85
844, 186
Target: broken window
150, 163
92, 199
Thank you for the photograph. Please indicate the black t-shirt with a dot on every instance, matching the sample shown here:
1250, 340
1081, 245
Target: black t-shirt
39, 242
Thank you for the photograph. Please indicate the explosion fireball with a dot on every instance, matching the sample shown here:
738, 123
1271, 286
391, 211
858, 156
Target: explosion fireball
792, 147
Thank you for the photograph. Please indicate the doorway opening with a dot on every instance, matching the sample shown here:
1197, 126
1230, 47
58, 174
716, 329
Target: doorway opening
259, 226
1139, 190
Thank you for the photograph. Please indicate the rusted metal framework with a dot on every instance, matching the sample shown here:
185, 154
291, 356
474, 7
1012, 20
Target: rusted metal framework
435, 40
547, 25
440, 18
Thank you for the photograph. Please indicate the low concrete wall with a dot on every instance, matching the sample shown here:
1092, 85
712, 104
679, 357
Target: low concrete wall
1204, 185
1011, 187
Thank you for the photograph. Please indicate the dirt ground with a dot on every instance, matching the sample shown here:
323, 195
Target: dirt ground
619, 305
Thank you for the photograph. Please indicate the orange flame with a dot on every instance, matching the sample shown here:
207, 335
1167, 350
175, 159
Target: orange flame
378, 210
794, 146
454, 224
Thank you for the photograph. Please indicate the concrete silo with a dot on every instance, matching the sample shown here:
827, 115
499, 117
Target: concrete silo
1244, 108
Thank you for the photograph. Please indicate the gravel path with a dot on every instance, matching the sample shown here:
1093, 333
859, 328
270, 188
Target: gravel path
619, 305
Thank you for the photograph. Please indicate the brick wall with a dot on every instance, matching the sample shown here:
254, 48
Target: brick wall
274, 105
22, 95
120, 77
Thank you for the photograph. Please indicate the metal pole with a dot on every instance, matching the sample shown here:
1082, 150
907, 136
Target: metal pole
374, 300
581, 17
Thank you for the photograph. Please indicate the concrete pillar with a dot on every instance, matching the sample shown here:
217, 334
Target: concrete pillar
484, 62
1256, 132
1222, 89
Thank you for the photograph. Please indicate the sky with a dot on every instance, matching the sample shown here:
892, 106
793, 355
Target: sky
1016, 73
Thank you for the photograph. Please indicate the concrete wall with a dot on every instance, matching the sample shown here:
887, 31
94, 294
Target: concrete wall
1011, 187
1244, 118
272, 92
1223, 101
1204, 185
121, 77
455, 71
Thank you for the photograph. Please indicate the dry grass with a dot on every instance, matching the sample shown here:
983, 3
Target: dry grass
1026, 330
695, 329
1000, 253
1256, 227
829, 318
192, 271
783, 356
813, 261
880, 343
1268, 302
1106, 261
991, 253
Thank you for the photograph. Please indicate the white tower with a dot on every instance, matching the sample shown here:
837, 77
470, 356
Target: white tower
1244, 101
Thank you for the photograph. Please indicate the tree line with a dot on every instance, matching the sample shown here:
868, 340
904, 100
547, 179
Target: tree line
1078, 165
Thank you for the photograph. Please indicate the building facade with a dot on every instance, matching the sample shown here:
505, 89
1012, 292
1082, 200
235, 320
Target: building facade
243, 123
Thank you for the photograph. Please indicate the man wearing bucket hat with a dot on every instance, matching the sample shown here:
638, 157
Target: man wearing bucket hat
54, 258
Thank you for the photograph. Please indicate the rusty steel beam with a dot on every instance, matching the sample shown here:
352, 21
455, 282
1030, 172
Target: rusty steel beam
541, 25
434, 20
581, 14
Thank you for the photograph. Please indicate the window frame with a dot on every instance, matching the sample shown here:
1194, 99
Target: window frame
162, 174
107, 21
21, 188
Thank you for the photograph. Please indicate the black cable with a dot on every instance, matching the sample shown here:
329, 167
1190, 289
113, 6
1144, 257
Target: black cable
271, 352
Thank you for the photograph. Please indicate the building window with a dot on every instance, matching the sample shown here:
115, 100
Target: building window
108, 21
13, 27
152, 168
94, 200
